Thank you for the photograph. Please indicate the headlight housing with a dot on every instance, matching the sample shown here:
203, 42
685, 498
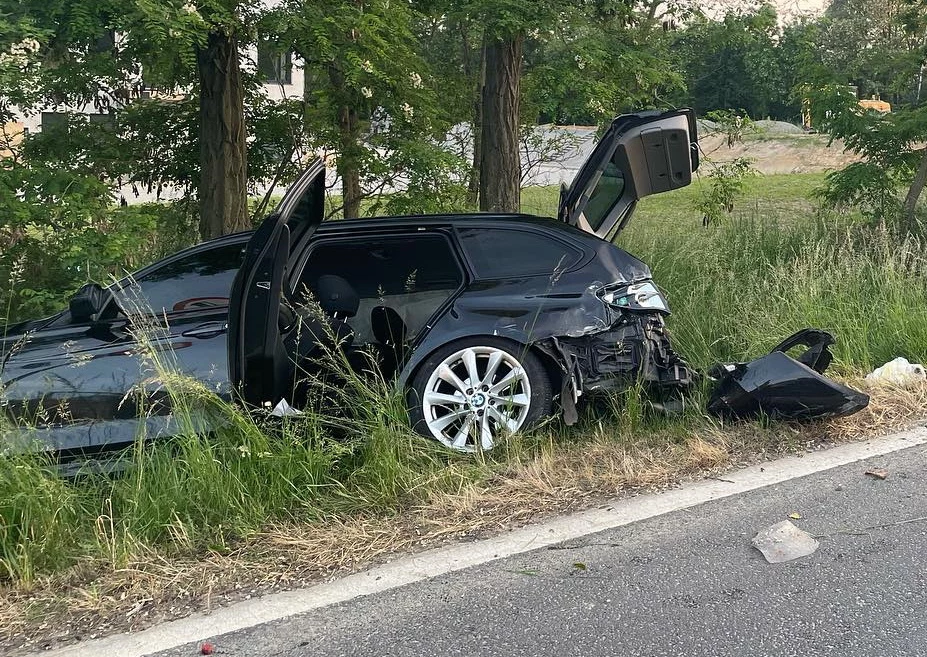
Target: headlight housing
637, 296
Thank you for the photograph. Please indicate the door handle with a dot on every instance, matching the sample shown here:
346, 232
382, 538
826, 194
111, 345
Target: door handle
207, 330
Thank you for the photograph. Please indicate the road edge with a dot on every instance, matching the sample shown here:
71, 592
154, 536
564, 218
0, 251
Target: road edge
433, 563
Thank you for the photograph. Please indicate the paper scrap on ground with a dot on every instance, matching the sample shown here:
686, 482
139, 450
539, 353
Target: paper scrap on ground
784, 542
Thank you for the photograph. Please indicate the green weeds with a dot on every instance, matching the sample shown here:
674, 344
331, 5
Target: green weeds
735, 289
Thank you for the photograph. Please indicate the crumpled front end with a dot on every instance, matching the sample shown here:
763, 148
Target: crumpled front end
635, 348
631, 344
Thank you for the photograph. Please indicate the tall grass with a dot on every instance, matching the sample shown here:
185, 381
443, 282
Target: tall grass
350, 450
735, 289
738, 289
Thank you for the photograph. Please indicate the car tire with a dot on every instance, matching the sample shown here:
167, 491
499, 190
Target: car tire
512, 393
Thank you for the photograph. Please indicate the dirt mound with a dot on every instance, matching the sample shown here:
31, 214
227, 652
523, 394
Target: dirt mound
791, 153
778, 127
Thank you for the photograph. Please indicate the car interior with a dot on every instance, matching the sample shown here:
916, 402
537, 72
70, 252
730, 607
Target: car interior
378, 294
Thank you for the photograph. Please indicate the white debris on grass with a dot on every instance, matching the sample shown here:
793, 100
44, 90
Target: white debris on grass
899, 373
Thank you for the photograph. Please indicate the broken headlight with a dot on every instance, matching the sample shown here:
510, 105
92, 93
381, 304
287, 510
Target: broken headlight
637, 296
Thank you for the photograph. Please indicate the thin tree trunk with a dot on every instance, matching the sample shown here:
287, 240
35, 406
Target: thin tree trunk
917, 186
500, 167
223, 194
349, 149
347, 162
479, 78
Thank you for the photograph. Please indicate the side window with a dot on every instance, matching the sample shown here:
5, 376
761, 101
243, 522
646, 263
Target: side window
503, 253
199, 280
412, 275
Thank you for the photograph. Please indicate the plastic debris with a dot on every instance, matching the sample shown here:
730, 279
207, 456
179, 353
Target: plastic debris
283, 409
785, 388
878, 473
784, 542
207, 649
898, 372
795, 515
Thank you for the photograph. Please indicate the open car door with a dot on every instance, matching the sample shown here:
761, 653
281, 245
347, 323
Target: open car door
259, 366
640, 154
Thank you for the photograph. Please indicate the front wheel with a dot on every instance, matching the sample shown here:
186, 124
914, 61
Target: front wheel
471, 393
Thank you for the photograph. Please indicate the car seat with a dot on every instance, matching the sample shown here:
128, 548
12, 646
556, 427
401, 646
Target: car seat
390, 332
338, 302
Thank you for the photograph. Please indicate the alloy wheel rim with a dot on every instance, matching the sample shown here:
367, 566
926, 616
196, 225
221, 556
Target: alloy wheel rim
474, 397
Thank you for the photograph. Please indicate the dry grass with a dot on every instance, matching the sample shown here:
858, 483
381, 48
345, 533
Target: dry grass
90, 601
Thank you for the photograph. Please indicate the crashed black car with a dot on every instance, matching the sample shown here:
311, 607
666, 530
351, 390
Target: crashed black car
486, 320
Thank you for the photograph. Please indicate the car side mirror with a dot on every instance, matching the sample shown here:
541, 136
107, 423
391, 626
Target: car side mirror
87, 303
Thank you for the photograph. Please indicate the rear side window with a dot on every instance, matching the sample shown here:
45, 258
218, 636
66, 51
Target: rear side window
500, 253
605, 195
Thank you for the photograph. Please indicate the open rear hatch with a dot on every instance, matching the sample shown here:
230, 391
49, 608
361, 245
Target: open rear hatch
639, 155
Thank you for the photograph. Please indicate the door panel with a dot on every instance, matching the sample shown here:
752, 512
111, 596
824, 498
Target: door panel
85, 387
258, 364
639, 155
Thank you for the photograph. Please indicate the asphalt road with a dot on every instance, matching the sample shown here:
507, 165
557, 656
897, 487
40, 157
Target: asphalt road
686, 583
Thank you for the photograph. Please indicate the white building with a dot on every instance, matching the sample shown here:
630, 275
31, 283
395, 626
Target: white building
282, 75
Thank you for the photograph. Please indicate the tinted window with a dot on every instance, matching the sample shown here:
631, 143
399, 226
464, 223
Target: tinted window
386, 266
501, 253
413, 275
199, 280
604, 195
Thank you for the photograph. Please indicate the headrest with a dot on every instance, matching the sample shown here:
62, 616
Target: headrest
336, 296
387, 326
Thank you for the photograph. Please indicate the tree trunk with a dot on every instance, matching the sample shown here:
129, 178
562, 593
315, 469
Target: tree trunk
914, 192
478, 78
223, 192
349, 149
347, 162
500, 167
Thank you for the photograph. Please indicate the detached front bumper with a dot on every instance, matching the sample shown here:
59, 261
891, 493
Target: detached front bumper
782, 387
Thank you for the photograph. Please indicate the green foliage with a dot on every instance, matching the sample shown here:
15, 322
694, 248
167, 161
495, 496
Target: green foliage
40, 519
725, 180
875, 45
735, 63
63, 230
725, 184
777, 265
588, 71
370, 101
889, 144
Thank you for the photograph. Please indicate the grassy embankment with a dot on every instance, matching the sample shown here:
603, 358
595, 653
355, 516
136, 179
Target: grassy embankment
254, 509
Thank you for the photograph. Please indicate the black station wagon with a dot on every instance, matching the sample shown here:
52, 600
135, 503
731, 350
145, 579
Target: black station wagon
487, 320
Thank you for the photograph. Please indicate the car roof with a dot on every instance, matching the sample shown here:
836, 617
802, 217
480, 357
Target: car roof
344, 225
